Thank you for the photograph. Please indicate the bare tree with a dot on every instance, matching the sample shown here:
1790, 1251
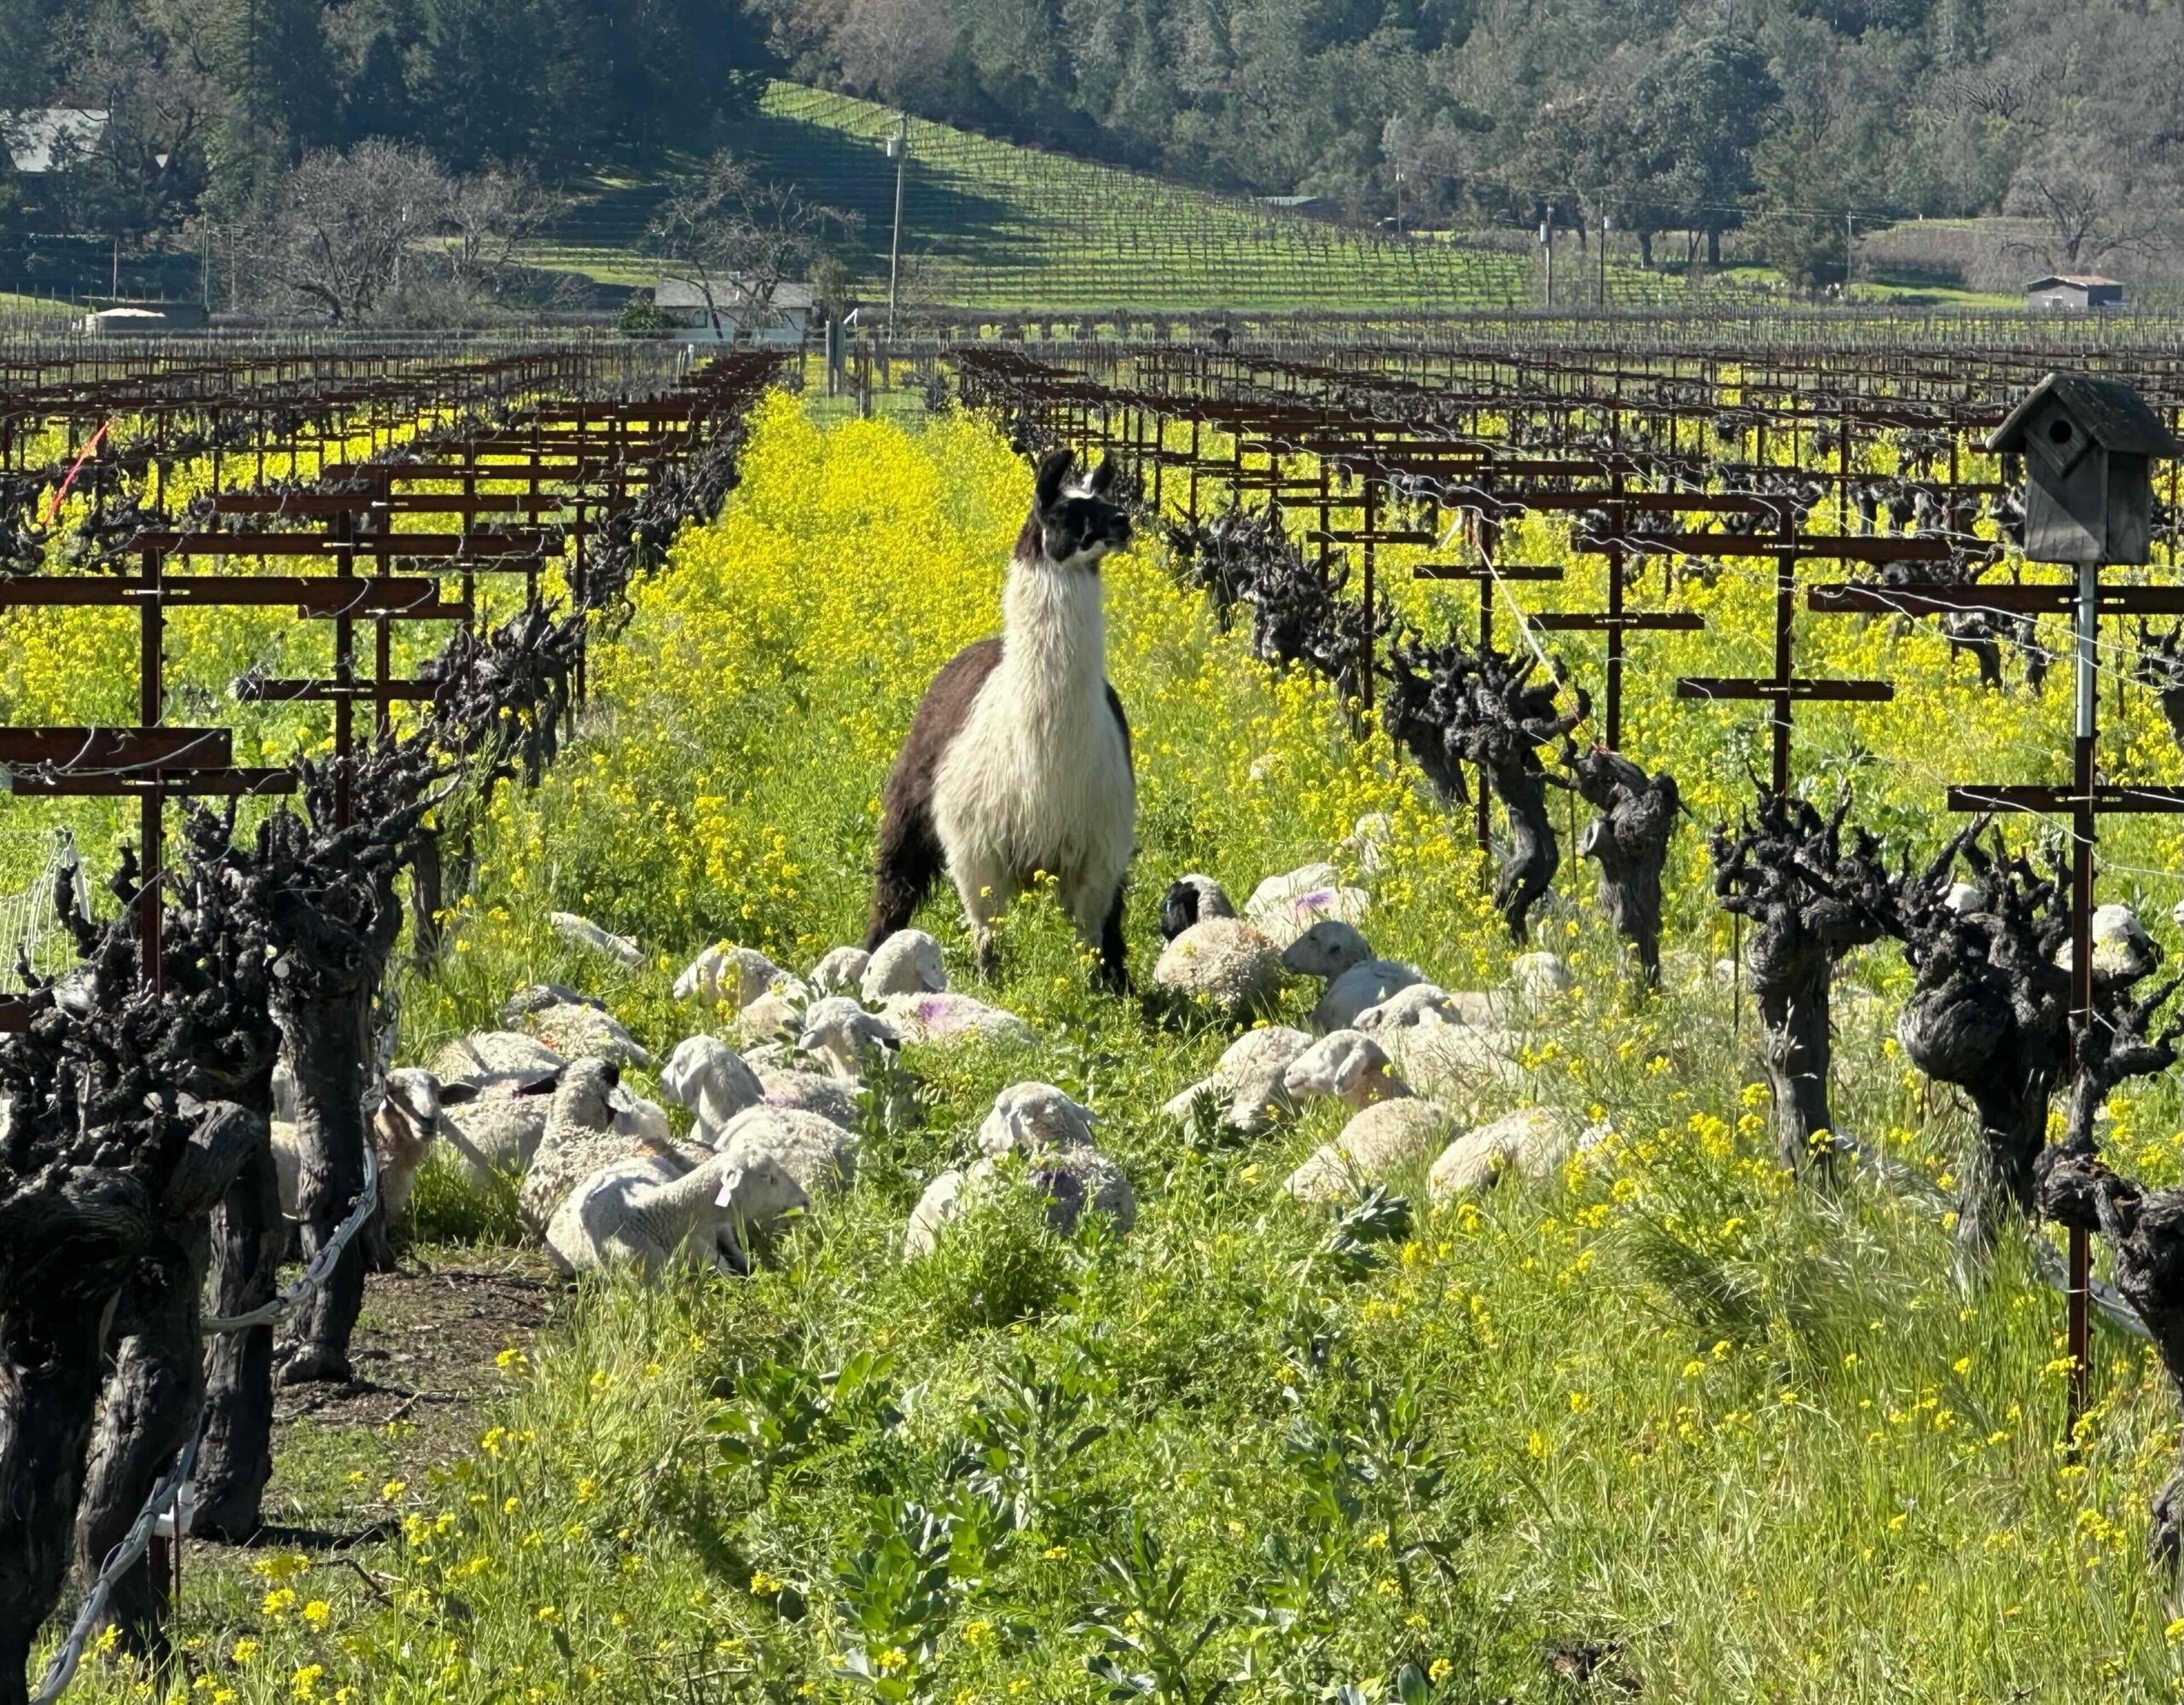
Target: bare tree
2092, 199
737, 239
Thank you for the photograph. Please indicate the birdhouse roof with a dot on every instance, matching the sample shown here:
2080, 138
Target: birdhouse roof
2109, 411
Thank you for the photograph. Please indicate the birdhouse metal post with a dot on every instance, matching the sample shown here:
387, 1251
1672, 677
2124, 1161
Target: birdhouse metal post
2089, 447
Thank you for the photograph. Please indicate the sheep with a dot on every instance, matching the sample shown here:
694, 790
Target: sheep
846, 1038
906, 962
537, 996
829, 1098
1413, 1004
2123, 952
727, 975
1033, 1116
709, 1077
1453, 1061
1360, 989
1531, 1142
402, 1129
1349, 1066
1247, 1080
952, 1018
774, 1014
1019, 759
1051, 1135
1377, 1142
1371, 842
649, 1212
1225, 963
1326, 950
488, 1057
584, 933
1192, 899
815, 1151
581, 1136
841, 971
574, 1031
1282, 908
1540, 977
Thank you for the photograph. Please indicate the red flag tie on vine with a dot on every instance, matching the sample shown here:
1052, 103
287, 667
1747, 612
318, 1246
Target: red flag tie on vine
82, 456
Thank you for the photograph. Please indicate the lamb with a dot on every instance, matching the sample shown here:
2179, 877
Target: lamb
490, 1057
1224, 962
1247, 1081
815, 1152
1192, 899
1051, 1134
650, 1211
1348, 1065
906, 962
573, 1029
1530, 1141
581, 1137
841, 971
1018, 759
949, 1018
709, 1077
726, 976
582, 931
1282, 908
845, 1038
813, 1092
402, 1128
1326, 950
1378, 1143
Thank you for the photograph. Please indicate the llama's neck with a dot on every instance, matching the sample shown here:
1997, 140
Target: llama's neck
1054, 635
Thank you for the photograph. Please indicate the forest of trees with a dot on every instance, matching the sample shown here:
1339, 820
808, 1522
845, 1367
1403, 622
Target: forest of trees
1779, 117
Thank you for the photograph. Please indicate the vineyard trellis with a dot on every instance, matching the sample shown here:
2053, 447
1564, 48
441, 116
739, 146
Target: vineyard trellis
241, 950
1695, 453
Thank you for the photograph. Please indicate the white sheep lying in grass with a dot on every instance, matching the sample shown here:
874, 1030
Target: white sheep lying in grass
486, 1058
1378, 1143
845, 1039
730, 977
841, 971
1050, 1134
1347, 1065
574, 1030
1282, 908
649, 1212
940, 1019
1224, 963
817, 1153
1246, 1087
710, 1080
581, 1135
906, 962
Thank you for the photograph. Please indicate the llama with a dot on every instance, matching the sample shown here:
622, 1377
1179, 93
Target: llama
1018, 759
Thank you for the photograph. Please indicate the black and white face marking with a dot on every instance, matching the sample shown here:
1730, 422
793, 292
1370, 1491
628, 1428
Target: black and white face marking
1077, 526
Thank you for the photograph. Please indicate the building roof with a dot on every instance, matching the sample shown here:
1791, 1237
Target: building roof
2114, 415
788, 296
2081, 281
41, 137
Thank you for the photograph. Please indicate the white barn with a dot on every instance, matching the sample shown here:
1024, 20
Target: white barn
778, 320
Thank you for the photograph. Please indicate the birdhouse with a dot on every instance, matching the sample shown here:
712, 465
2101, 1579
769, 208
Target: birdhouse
2089, 447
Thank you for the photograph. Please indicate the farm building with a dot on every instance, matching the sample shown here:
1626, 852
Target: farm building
2072, 293
745, 313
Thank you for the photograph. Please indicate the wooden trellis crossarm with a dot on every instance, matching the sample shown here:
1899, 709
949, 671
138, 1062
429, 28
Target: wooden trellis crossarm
2007, 797
413, 598
1572, 621
262, 690
523, 541
224, 781
67, 749
1802, 690
1480, 571
2050, 599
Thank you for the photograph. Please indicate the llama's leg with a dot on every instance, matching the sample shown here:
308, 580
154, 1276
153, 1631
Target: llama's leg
908, 860
1114, 971
984, 892
1096, 907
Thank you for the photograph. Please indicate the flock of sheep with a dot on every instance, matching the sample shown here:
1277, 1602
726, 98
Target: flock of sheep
598, 1175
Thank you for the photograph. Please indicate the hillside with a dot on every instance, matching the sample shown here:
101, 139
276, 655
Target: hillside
990, 225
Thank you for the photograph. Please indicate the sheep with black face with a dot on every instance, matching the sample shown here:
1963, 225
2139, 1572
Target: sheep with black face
1018, 759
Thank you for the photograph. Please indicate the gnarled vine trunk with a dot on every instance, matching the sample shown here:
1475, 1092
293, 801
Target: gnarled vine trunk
1629, 839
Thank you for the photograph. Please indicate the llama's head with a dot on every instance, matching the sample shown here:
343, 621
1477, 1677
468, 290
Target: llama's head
1072, 524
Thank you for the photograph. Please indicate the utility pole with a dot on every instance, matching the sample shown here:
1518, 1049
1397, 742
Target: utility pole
1546, 247
1849, 236
898, 150
1607, 225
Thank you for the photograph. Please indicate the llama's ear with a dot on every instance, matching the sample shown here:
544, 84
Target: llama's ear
1102, 477
1054, 472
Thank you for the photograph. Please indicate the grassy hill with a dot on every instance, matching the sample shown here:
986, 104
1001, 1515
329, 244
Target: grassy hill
987, 224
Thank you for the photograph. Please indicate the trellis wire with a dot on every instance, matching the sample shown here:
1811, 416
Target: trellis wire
29, 918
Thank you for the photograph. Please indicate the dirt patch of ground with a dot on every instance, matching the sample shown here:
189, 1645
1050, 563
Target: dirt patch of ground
426, 1352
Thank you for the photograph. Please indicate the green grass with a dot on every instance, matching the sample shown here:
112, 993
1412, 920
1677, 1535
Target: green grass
1666, 1426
